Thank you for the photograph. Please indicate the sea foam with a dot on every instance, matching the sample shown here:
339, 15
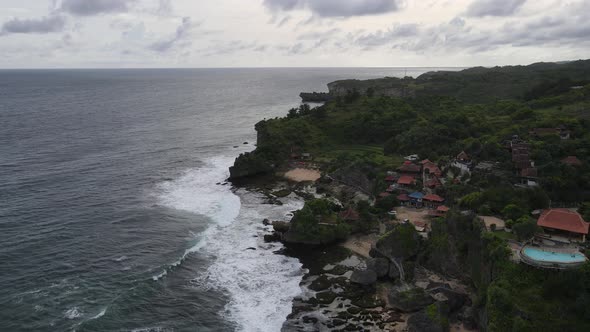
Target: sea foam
261, 284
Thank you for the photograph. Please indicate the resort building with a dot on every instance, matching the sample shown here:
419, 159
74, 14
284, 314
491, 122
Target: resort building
432, 201
571, 161
409, 168
463, 162
564, 223
406, 181
416, 199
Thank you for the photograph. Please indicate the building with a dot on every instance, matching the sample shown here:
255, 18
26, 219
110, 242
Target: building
403, 199
463, 162
440, 211
564, 223
432, 168
571, 161
433, 183
432, 201
416, 199
529, 176
409, 168
406, 181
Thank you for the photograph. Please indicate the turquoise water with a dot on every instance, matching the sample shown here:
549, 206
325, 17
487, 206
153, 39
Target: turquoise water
557, 257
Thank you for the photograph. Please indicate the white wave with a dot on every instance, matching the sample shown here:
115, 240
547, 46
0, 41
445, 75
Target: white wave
100, 314
196, 191
261, 284
73, 313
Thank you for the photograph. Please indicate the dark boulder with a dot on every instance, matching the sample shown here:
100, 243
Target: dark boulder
274, 237
280, 226
453, 299
402, 242
433, 318
365, 277
379, 265
411, 300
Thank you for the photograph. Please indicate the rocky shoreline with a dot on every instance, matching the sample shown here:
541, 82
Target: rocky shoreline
348, 290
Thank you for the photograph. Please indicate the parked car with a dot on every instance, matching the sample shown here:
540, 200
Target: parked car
412, 157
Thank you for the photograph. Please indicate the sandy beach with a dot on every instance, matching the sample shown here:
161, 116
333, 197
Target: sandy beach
303, 175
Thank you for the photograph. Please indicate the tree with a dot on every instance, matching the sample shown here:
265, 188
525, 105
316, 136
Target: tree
525, 230
513, 211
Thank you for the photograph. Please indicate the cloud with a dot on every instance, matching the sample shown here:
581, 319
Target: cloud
379, 38
480, 8
48, 24
181, 33
94, 7
336, 8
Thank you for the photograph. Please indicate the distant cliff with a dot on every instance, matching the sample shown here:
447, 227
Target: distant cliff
473, 85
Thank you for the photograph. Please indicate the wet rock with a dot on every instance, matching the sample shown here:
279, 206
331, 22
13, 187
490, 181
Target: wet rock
280, 226
411, 300
309, 320
338, 322
467, 315
266, 222
325, 297
433, 319
353, 310
453, 299
366, 277
250, 248
368, 300
379, 265
282, 193
245, 143
274, 237
339, 270
320, 284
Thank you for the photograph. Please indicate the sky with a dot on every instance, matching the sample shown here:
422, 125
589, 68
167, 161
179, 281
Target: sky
290, 33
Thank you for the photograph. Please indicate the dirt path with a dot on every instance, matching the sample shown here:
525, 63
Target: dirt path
303, 175
360, 244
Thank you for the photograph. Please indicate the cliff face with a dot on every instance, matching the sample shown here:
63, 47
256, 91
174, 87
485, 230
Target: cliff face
389, 86
258, 162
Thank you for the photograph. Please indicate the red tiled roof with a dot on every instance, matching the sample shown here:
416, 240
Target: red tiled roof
433, 169
433, 183
563, 219
433, 198
384, 194
572, 161
425, 161
442, 208
349, 214
390, 178
406, 180
403, 198
409, 168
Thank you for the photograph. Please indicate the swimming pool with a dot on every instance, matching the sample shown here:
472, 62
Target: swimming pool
553, 257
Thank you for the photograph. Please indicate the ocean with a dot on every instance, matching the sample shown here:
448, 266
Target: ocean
114, 215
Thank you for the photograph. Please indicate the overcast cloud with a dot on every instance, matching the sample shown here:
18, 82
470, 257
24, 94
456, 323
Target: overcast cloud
48, 24
266, 33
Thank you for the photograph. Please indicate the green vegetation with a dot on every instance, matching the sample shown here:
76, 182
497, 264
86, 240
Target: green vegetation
369, 125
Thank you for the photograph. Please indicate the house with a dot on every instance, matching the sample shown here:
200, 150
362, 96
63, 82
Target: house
571, 161
390, 178
529, 176
406, 181
433, 183
349, 215
416, 199
384, 195
432, 201
440, 211
403, 199
565, 223
432, 168
463, 162
409, 168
